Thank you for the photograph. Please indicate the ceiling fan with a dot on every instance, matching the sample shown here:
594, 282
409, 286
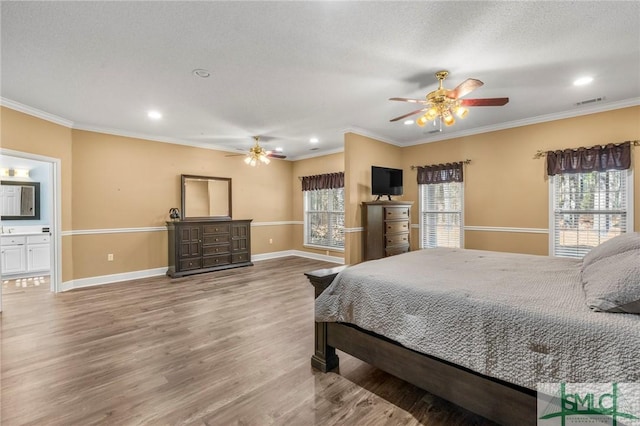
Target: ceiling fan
258, 154
445, 103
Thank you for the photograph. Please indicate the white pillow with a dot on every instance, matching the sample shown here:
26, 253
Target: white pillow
616, 245
612, 284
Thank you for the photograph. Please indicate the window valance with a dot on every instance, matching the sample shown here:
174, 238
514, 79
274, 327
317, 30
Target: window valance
440, 173
325, 181
593, 159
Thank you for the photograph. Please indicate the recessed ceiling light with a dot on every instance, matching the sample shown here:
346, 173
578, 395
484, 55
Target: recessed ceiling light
278, 149
407, 122
154, 115
582, 81
313, 140
201, 73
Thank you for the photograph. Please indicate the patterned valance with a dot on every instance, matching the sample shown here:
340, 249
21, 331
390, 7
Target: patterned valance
585, 160
440, 173
325, 181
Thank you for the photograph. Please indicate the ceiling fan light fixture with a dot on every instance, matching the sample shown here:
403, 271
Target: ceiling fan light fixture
431, 114
461, 111
257, 155
448, 118
443, 103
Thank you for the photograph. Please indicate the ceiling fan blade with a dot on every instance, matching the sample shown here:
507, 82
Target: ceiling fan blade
407, 115
415, 101
464, 88
484, 102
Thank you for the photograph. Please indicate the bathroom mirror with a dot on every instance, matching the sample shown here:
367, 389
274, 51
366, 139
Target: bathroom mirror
206, 197
19, 200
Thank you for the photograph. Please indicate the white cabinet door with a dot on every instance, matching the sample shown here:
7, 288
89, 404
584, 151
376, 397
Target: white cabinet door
13, 260
38, 257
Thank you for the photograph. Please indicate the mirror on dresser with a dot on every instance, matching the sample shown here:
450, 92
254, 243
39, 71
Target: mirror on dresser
19, 200
205, 197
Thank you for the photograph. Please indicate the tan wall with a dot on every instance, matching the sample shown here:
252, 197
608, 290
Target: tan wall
360, 153
312, 166
505, 187
25, 133
122, 182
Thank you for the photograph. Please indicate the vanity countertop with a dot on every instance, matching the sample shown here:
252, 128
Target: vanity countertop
16, 231
21, 234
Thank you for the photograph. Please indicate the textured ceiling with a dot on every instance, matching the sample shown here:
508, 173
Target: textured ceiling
294, 70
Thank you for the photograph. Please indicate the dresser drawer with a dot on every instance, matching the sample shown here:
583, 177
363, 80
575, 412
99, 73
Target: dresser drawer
220, 228
392, 251
239, 257
215, 250
209, 261
395, 227
13, 241
215, 239
391, 213
397, 239
188, 264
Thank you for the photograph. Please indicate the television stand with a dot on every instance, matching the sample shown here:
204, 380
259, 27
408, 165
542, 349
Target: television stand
378, 198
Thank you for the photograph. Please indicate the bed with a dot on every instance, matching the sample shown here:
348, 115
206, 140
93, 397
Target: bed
481, 328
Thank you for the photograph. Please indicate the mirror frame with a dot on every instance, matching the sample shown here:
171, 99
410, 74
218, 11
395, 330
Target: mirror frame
36, 185
183, 179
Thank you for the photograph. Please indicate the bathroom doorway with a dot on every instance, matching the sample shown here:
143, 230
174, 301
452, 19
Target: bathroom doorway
31, 225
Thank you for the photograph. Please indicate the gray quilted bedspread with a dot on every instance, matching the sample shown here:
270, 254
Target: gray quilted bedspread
519, 318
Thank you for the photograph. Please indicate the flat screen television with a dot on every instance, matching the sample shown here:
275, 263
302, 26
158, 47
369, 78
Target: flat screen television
386, 181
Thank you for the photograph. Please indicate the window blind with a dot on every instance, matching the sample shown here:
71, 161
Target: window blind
324, 218
588, 209
441, 221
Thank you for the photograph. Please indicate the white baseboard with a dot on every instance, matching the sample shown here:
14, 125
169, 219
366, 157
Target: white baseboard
126, 276
110, 279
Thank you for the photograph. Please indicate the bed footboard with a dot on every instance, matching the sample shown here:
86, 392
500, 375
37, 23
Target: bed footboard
324, 357
501, 402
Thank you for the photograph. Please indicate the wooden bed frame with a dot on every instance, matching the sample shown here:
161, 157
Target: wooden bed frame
499, 401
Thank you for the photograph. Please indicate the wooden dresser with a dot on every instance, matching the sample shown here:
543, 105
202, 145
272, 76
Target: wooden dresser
205, 246
387, 228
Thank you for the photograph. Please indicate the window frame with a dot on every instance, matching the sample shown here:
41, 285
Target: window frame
306, 224
552, 215
422, 226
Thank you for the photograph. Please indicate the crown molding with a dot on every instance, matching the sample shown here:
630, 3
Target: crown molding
533, 120
17, 106
319, 154
134, 135
369, 134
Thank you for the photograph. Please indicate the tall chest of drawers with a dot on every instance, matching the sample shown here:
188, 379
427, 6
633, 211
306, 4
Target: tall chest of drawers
205, 246
387, 228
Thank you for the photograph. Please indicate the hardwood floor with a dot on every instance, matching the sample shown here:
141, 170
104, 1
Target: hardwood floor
225, 348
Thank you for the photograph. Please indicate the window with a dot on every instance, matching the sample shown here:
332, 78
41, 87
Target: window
588, 209
324, 218
441, 215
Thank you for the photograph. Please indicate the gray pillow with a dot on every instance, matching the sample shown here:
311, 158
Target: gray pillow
612, 284
616, 245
